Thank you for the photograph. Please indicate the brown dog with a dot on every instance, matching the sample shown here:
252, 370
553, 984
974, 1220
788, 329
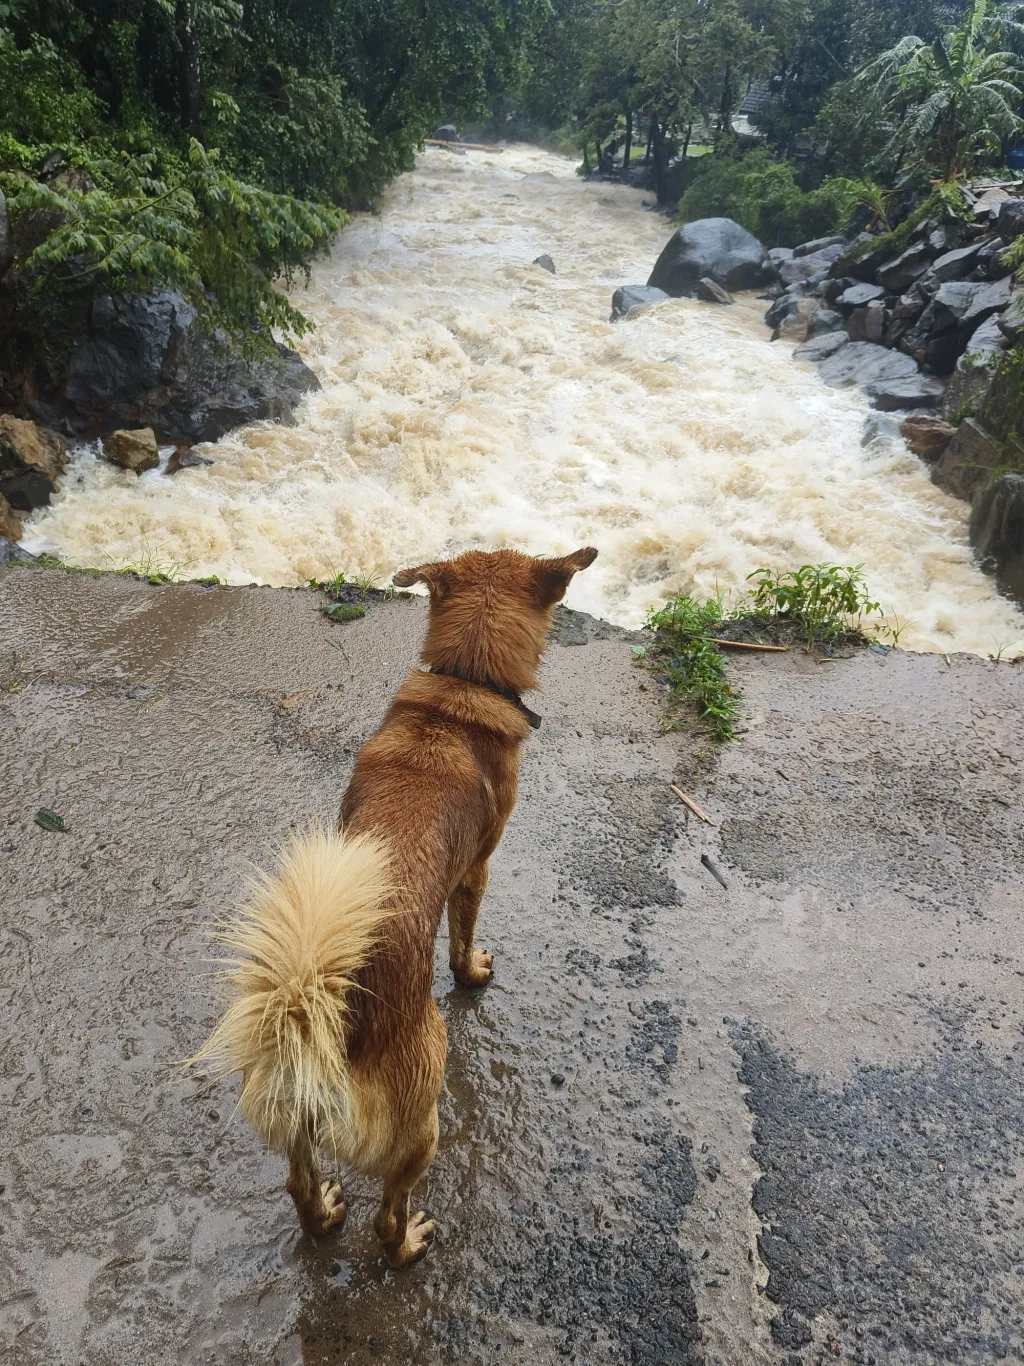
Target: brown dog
331, 1020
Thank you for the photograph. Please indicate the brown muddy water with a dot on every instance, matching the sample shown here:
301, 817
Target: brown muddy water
778, 1122
471, 398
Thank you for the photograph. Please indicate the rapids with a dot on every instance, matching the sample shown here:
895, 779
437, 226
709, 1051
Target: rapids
472, 399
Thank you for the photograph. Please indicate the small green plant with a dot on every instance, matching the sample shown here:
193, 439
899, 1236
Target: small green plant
344, 611
694, 667
827, 601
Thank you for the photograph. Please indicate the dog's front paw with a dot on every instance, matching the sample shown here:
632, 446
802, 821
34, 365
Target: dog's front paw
477, 973
321, 1217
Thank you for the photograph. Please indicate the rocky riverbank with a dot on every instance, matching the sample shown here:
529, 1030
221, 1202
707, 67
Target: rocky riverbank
928, 319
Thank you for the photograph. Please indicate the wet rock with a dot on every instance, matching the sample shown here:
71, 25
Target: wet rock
10, 553
10, 522
966, 463
946, 237
798, 323
833, 290
915, 391
821, 347
911, 305
132, 450
777, 255
897, 275
989, 260
997, 531
784, 305
867, 323
975, 368
634, 296
146, 363
1010, 219
545, 262
32, 459
950, 303
861, 259
1011, 323
184, 458
446, 133
818, 245
808, 268
988, 207
714, 247
927, 436
954, 265
864, 362
712, 293
826, 320
987, 299
859, 294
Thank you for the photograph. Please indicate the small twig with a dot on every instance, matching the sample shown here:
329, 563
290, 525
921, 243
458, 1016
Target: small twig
714, 871
691, 804
747, 645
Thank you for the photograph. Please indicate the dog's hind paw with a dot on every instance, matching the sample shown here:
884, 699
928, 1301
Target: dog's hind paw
478, 972
419, 1234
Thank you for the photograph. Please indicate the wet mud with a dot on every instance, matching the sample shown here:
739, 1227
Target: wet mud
770, 1123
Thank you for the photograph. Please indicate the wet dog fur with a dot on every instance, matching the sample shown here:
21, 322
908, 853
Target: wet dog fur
329, 966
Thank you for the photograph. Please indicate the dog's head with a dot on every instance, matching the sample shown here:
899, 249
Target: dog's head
490, 612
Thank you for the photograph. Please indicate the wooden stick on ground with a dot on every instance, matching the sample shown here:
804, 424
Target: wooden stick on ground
688, 801
746, 645
466, 146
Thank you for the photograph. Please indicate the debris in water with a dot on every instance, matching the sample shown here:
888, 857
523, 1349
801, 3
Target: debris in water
713, 871
344, 611
49, 820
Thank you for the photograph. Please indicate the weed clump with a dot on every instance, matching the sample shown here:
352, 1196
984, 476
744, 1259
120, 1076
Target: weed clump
820, 604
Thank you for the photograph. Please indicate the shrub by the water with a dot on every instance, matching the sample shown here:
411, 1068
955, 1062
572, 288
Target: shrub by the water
763, 195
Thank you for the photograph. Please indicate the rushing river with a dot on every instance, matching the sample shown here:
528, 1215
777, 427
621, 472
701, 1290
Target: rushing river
471, 398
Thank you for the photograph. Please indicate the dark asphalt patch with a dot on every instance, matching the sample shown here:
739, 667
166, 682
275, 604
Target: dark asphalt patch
892, 1203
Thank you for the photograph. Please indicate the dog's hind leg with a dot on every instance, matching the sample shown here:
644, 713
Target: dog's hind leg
318, 1203
406, 1237
471, 966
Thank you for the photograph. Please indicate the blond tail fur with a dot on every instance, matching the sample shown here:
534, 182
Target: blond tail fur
291, 954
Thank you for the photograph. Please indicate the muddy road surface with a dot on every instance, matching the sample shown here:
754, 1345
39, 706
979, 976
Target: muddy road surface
776, 1122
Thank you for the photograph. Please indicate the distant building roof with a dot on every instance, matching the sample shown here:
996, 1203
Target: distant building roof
761, 95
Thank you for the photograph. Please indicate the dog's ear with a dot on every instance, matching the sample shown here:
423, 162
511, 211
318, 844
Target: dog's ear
552, 576
437, 577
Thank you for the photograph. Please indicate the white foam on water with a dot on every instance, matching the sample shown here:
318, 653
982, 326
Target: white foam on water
472, 399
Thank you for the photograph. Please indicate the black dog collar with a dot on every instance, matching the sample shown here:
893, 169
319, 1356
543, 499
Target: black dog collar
509, 694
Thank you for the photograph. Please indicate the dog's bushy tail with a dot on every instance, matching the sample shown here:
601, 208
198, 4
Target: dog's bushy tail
291, 954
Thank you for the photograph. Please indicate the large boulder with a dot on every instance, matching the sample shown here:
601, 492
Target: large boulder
820, 348
863, 362
714, 247
136, 451
146, 362
446, 133
1010, 219
954, 265
897, 395
545, 262
968, 461
856, 296
32, 459
906, 268
813, 268
1011, 322
997, 531
975, 368
634, 296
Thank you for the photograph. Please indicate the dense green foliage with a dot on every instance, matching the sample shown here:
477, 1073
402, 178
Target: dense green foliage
209, 145
694, 667
763, 195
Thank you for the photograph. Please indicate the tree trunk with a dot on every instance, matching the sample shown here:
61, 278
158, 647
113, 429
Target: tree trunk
650, 142
627, 151
725, 108
686, 139
189, 87
660, 149
600, 154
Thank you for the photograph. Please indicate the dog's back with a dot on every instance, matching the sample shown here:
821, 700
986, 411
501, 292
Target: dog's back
332, 1021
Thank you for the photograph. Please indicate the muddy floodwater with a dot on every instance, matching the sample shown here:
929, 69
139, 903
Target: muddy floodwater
773, 1123
471, 398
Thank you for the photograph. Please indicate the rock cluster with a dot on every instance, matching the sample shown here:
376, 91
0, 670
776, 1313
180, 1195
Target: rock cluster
923, 321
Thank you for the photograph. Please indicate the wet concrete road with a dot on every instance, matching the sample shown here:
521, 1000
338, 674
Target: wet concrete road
775, 1123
